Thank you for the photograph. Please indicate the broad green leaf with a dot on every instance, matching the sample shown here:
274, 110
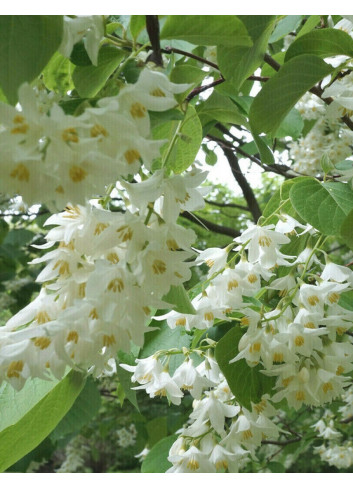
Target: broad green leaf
323, 43
157, 430
18, 237
89, 80
238, 62
27, 42
207, 30
137, 24
323, 205
164, 338
184, 140
247, 383
278, 198
286, 25
179, 299
15, 404
79, 56
310, 23
187, 74
347, 230
20, 438
284, 89
156, 460
266, 154
292, 125
222, 109
85, 407
346, 300
57, 75
125, 378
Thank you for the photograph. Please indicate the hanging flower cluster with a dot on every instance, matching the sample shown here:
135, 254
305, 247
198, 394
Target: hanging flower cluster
111, 269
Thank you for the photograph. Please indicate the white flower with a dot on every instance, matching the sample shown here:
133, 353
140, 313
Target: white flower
91, 27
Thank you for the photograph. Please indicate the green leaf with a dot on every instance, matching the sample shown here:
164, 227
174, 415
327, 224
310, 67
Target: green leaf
326, 163
20, 438
207, 30
57, 75
187, 135
286, 25
346, 300
323, 205
238, 62
164, 338
156, 429
220, 108
156, 460
323, 43
137, 24
187, 74
27, 42
79, 56
292, 125
89, 80
125, 378
179, 300
284, 89
15, 404
278, 198
346, 230
310, 23
85, 407
266, 154
248, 384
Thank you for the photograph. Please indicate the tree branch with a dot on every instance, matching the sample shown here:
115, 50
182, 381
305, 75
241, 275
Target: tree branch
210, 226
152, 26
222, 204
281, 443
243, 184
198, 90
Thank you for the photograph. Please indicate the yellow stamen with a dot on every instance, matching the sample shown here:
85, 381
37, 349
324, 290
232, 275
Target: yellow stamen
252, 278
42, 317
42, 342
20, 172
137, 110
14, 369
233, 284
327, 387
157, 92
113, 257
277, 357
72, 336
264, 241
131, 156
159, 267
70, 135
313, 300
109, 340
100, 228
77, 174
299, 341
98, 130
208, 316
180, 322
300, 396
116, 285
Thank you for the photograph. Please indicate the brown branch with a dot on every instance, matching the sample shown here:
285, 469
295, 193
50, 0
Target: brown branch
281, 443
211, 226
243, 184
201, 89
347, 420
223, 204
169, 50
152, 26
